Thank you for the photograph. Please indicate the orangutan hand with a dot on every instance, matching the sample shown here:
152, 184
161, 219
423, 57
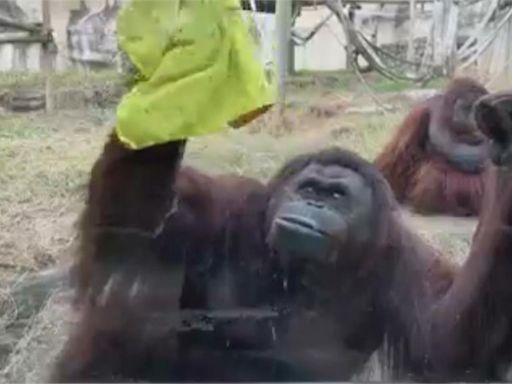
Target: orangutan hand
493, 114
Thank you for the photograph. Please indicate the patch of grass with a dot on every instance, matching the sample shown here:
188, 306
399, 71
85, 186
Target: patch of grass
44, 165
260, 155
345, 81
19, 127
375, 133
326, 79
383, 85
67, 79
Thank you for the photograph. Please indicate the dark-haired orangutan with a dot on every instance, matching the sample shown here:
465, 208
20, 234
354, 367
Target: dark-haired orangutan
437, 160
188, 277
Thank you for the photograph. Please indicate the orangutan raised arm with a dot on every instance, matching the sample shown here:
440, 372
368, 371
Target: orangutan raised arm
130, 193
471, 324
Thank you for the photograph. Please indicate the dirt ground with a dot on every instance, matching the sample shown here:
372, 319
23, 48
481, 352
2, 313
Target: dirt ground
44, 165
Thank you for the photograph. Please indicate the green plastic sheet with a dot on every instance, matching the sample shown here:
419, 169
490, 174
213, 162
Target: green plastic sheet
197, 70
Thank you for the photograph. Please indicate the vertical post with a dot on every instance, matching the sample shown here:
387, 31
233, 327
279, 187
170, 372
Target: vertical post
450, 37
437, 38
508, 56
283, 29
46, 54
295, 11
412, 25
291, 57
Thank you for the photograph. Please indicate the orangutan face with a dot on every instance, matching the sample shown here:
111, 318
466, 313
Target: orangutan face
453, 132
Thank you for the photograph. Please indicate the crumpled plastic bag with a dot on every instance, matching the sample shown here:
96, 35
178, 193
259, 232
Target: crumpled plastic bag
197, 70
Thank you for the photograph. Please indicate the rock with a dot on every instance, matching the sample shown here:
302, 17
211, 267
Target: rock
25, 100
416, 95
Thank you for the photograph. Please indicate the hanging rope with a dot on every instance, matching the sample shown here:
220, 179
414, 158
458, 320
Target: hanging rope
381, 61
484, 42
423, 70
467, 46
303, 40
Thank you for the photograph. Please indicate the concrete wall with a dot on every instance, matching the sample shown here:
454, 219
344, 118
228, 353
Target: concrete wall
20, 55
326, 52
84, 32
85, 35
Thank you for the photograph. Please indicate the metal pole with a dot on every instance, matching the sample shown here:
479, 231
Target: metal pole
47, 58
412, 22
283, 29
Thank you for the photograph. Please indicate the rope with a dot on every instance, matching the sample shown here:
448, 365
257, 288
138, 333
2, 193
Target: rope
486, 41
373, 54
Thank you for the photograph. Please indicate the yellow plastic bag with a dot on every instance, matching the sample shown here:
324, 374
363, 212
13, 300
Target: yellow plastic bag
197, 66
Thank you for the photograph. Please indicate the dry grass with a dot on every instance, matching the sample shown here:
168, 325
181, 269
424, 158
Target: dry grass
44, 162
43, 337
44, 165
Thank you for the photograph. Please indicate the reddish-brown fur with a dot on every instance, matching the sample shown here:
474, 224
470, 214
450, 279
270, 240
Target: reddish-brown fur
436, 181
440, 323
427, 182
203, 202
225, 216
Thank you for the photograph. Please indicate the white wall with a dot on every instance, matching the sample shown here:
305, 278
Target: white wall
27, 56
324, 52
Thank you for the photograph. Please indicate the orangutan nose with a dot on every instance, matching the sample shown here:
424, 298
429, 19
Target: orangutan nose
315, 204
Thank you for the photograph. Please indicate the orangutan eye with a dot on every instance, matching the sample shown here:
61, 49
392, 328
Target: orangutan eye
338, 193
307, 187
308, 190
